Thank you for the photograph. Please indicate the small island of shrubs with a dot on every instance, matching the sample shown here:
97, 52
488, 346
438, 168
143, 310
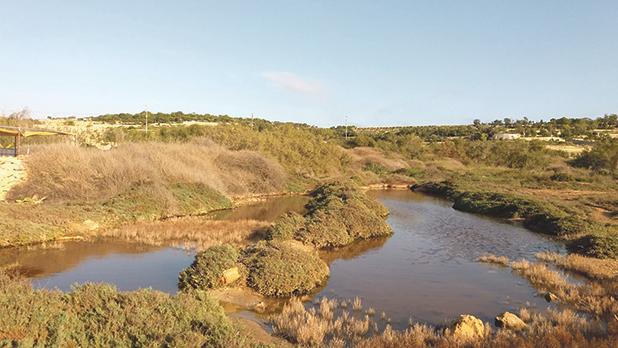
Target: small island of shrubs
287, 263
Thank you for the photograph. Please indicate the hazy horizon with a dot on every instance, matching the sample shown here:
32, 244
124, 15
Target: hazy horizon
378, 64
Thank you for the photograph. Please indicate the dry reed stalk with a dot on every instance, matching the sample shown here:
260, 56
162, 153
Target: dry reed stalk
191, 232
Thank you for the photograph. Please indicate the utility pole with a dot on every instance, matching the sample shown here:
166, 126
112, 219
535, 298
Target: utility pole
346, 128
146, 112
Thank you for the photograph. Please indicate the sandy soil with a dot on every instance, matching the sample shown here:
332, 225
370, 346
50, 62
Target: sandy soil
12, 172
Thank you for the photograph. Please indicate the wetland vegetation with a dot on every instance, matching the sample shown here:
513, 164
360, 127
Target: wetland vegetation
158, 187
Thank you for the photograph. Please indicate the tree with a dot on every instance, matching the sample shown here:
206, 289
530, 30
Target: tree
602, 156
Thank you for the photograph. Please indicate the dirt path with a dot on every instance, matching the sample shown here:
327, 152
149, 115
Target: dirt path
12, 172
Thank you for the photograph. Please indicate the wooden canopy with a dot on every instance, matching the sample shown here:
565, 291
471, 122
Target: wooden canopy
26, 132
18, 133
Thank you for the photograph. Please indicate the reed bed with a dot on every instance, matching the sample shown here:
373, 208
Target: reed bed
197, 233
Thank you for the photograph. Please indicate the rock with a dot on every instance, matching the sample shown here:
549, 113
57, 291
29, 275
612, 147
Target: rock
550, 297
260, 307
468, 328
90, 225
230, 275
510, 321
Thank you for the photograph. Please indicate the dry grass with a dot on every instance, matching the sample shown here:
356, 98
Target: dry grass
595, 298
588, 266
598, 299
372, 156
191, 232
327, 325
63, 172
493, 259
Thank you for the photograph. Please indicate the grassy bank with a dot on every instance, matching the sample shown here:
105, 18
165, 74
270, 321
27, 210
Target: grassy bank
76, 191
540, 215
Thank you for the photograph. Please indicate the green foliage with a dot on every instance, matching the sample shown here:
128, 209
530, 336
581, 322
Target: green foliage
339, 214
299, 148
283, 269
285, 227
376, 168
561, 176
543, 217
198, 198
596, 245
444, 189
511, 154
100, 316
207, 269
602, 157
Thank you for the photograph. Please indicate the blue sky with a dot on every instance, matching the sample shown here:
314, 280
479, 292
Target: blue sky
376, 62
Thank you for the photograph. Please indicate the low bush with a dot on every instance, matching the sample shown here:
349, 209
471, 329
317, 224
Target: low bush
286, 226
283, 269
207, 269
561, 176
444, 189
538, 216
337, 215
600, 246
100, 316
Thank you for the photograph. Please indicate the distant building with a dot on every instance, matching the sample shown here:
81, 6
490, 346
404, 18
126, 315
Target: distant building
507, 136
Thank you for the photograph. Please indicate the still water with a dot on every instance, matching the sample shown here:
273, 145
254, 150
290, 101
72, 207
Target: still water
426, 271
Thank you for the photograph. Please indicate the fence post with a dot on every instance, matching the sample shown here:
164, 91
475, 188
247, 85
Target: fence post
17, 144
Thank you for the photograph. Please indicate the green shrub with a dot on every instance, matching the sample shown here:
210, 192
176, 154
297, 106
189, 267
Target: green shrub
100, 316
283, 269
339, 214
538, 216
561, 176
376, 168
325, 228
286, 227
487, 203
206, 270
443, 189
601, 246
602, 157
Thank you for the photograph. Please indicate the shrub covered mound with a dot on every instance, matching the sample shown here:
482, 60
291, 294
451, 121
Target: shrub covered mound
100, 316
283, 269
206, 270
337, 215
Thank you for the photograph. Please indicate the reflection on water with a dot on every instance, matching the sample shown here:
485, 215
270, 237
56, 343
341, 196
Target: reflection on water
427, 270
267, 210
128, 265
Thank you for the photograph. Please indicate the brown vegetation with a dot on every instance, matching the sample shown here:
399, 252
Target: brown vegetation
588, 266
497, 260
328, 325
595, 298
195, 232
63, 172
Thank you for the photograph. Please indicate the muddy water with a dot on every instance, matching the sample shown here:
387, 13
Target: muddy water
129, 266
426, 271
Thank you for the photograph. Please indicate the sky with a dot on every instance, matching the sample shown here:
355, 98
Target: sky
368, 63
